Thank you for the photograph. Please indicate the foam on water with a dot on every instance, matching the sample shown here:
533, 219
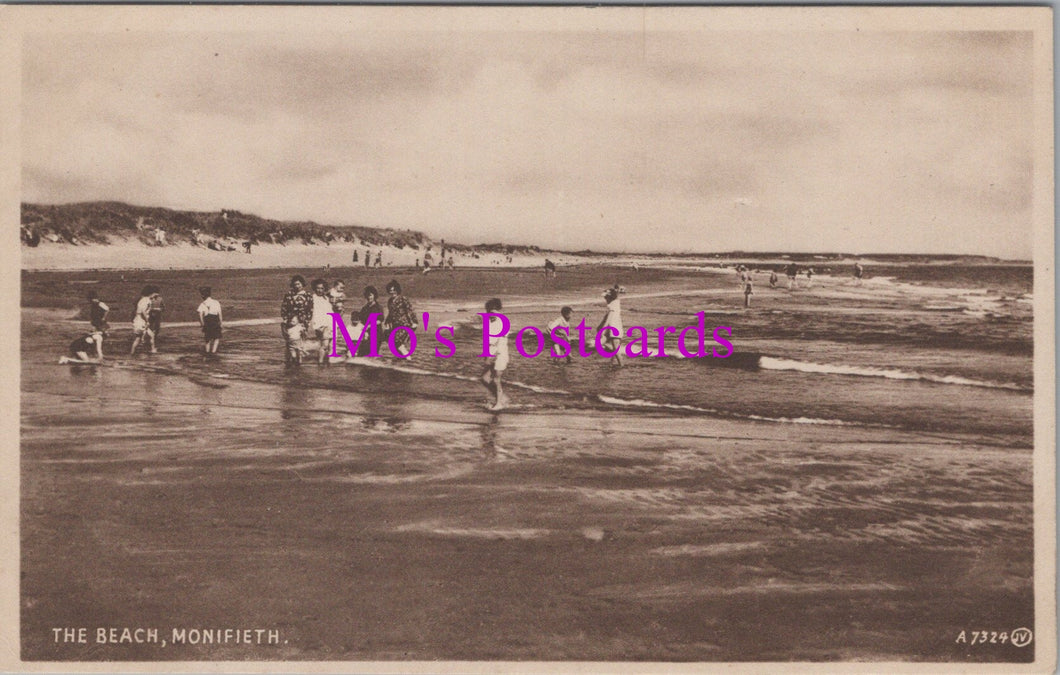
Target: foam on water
641, 403
773, 363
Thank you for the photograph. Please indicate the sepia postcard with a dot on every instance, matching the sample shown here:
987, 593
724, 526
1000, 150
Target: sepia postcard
427, 339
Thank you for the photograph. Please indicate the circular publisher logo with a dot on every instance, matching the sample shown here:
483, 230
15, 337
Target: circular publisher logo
1021, 637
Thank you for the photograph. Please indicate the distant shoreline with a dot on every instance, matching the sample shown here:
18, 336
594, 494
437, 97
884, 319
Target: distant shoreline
107, 235
133, 255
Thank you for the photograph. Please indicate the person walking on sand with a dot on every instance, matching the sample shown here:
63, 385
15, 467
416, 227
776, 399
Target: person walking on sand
97, 312
561, 322
378, 258
210, 321
367, 258
399, 313
612, 340
139, 321
748, 291
498, 359
296, 311
87, 349
321, 320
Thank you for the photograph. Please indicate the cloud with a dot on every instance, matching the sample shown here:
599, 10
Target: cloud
861, 141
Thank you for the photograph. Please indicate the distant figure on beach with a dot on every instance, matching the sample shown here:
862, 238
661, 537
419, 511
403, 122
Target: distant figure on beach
97, 312
561, 321
354, 255
154, 319
320, 319
498, 359
246, 246
612, 340
792, 271
427, 260
378, 258
452, 265
367, 258
210, 321
417, 263
859, 272
809, 277
773, 279
296, 311
160, 236
748, 291
550, 269
399, 313
87, 349
139, 320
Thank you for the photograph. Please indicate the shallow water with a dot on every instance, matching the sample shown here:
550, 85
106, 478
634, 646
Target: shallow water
865, 495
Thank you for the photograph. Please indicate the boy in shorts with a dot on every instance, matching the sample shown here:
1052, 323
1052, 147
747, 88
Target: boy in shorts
210, 321
141, 329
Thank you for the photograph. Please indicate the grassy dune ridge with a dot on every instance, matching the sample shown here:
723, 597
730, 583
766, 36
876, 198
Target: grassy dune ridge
105, 222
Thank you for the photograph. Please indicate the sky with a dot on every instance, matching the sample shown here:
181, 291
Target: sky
665, 141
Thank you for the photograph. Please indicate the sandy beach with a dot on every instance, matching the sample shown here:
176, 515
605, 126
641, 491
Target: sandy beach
864, 495
133, 254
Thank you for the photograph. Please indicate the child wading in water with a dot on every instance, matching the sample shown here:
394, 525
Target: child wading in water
141, 331
88, 349
498, 361
154, 318
321, 321
210, 320
612, 339
97, 312
557, 336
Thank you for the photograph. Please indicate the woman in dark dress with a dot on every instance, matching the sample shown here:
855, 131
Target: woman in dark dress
362, 316
398, 314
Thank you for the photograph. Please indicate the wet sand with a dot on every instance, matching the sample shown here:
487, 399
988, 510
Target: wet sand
383, 526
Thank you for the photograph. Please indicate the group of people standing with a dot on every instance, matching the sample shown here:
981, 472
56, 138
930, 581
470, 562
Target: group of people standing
792, 272
306, 313
146, 325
